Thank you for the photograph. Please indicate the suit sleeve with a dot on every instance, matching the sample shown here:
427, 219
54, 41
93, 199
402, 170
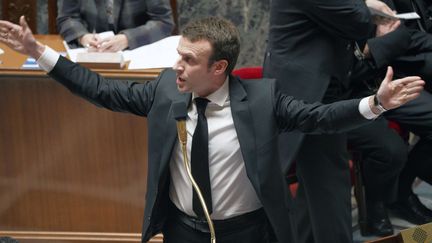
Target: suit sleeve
389, 47
349, 19
383, 50
317, 118
160, 25
124, 96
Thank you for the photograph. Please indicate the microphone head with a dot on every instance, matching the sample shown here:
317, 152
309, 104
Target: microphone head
179, 110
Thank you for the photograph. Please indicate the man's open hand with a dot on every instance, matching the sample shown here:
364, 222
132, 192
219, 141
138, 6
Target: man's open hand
394, 93
20, 38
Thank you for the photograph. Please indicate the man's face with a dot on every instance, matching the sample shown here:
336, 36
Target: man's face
193, 72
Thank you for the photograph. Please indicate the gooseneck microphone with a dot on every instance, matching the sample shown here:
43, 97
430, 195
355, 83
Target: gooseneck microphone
180, 113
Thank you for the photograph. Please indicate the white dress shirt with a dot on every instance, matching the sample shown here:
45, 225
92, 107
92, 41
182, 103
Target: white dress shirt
232, 192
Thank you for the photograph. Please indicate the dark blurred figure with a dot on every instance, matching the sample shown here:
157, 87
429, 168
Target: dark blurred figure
385, 154
310, 52
418, 59
134, 22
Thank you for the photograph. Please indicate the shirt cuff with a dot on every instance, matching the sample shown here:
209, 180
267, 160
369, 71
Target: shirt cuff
365, 109
48, 59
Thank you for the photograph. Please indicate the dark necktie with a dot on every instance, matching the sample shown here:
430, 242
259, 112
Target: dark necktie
199, 159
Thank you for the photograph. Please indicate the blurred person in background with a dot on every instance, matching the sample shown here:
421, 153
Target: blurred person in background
134, 23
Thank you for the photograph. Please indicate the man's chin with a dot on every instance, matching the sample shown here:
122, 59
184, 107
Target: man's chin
183, 89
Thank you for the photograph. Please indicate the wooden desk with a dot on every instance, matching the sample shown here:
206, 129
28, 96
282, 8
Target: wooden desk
69, 171
12, 62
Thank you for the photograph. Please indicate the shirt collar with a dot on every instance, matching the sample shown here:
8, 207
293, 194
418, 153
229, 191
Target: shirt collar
220, 95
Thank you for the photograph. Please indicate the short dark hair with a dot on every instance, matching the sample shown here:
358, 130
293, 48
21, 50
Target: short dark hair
222, 35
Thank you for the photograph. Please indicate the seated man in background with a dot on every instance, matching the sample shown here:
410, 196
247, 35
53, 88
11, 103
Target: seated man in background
134, 23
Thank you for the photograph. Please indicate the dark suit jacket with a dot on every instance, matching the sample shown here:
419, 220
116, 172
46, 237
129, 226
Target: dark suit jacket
142, 21
421, 36
422, 7
368, 73
310, 47
259, 113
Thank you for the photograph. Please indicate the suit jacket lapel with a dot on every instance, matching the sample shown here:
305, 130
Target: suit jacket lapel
171, 132
244, 126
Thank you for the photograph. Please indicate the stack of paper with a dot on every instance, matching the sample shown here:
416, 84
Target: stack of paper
160, 54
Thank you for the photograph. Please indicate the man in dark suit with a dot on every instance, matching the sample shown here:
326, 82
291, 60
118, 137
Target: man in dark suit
312, 43
418, 58
249, 197
389, 169
134, 22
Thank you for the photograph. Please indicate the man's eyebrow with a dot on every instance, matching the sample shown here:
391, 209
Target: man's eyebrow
187, 54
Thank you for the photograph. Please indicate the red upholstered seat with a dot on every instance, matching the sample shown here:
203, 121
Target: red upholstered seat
249, 72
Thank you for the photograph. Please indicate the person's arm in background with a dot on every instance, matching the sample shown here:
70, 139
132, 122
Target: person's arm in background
391, 41
159, 25
71, 26
74, 29
350, 20
421, 40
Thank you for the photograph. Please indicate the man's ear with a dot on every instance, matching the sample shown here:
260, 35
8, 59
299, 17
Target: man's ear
220, 67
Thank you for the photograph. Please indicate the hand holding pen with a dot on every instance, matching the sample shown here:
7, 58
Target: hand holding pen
90, 40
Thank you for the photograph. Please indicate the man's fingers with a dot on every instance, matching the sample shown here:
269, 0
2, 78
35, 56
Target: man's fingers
23, 23
407, 80
418, 83
414, 89
395, 25
6, 25
4, 29
410, 97
389, 75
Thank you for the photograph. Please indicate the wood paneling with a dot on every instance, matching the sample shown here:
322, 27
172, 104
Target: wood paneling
13, 9
69, 171
52, 15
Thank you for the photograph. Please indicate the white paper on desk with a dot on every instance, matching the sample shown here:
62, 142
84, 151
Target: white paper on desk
160, 54
106, 35
73, 52
410, 15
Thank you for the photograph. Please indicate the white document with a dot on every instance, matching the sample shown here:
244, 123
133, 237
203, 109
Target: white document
73, 52
410, 15
160, 54
105, 35
1, 51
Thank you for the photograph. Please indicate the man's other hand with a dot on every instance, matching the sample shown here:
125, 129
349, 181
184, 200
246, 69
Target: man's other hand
20, 38
394, 93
